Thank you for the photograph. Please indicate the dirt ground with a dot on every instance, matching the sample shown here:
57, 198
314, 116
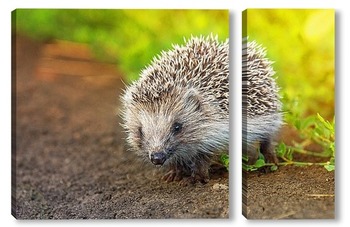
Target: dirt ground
290, 193
70, 162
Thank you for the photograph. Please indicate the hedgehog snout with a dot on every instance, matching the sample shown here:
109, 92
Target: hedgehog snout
158, 158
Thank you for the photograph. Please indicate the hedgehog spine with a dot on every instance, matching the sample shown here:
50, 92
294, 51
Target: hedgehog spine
262, 117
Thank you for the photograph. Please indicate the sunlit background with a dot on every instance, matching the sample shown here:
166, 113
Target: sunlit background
302, 45
128, 38
300, 42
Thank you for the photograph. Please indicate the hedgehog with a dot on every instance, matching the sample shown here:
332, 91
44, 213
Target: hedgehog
262, 117
176, 115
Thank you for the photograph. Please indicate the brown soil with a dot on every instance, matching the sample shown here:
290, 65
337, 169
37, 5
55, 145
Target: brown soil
69, 158
289, 193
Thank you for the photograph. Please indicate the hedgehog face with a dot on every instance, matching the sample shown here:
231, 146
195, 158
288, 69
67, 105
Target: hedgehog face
160, 138
172, 128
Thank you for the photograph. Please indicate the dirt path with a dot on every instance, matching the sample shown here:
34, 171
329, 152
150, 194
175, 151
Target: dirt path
70, 160
290, 193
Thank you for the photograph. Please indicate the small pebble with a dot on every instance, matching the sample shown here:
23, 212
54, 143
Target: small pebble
218, 186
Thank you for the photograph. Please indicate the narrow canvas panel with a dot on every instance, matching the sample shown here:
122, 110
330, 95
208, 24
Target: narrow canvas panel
288, 128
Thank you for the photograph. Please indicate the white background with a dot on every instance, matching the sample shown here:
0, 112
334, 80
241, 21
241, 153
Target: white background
235, 7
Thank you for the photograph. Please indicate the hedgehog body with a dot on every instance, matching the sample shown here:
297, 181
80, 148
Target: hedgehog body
177, 114
262, 117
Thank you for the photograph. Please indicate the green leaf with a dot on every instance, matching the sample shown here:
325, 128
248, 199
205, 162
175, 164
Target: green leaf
245, 158
329, 167
325, 122
281, 149
297, 124
289, 154
305, 123
259, 163
224, 158
274, 168
248, 167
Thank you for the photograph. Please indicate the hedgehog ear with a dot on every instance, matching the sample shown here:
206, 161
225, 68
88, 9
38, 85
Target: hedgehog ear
192, 99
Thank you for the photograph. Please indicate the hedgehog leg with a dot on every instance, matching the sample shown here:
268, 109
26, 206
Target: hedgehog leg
267, 149
202, 177
203, 172
251, 152
199, 172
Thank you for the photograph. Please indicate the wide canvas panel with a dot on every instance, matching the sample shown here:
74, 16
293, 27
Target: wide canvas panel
70, 68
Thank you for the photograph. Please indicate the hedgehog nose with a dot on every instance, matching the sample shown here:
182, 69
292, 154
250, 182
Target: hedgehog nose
158, 158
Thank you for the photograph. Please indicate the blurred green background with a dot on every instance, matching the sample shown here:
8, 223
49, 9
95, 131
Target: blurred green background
302, 45
128, 38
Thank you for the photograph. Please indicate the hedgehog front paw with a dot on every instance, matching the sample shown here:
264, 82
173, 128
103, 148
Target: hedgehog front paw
267, 149
188, 175
177, 175
173, 175
191, 180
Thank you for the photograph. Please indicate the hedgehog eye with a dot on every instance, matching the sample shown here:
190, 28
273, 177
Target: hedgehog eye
177, 127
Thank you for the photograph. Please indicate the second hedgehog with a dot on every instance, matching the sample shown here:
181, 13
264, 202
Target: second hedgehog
177, 114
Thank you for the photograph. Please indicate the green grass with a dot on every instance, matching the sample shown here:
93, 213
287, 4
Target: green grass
311, 130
